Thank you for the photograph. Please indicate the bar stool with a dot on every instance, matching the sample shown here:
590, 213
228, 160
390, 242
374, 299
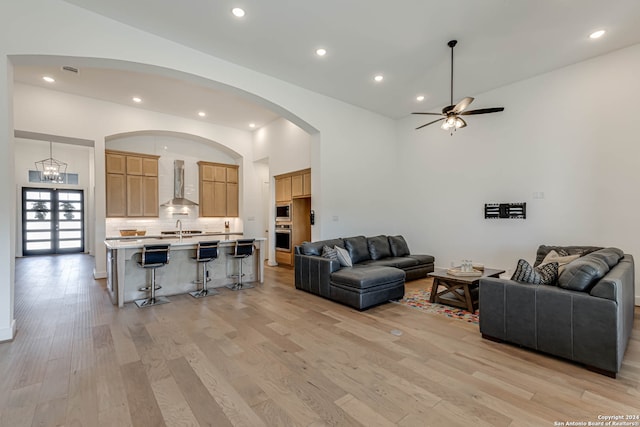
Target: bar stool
153, 256
243, 249
205, 253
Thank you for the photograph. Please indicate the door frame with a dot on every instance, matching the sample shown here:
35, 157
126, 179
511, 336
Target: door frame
54, 219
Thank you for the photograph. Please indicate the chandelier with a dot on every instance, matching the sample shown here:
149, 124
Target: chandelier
51, 170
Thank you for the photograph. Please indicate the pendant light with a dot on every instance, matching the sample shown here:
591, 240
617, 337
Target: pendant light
51, 170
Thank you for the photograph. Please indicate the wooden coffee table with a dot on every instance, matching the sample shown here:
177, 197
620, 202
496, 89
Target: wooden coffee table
460, 291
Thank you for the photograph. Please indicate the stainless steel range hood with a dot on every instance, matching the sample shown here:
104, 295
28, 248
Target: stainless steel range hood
178, 187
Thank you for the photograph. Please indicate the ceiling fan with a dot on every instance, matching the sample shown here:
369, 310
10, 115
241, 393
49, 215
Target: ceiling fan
451, 114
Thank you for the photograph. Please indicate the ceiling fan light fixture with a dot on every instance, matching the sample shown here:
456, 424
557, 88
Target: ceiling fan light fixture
451, 121
450, 115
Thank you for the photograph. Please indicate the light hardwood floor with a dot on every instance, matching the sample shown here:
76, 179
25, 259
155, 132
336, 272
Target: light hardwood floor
274, 356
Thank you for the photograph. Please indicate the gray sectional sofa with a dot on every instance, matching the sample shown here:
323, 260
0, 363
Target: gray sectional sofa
381, 264
586, 317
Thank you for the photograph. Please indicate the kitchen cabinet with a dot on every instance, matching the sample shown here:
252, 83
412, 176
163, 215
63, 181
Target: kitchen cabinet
306, 184
142, 166
297, 187
283, 189
116, 195
115, 163
219, 190
232, 199
293, 185
131, 184
142, 196
294, 190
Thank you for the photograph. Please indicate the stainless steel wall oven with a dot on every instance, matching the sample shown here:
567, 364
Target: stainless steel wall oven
283, 237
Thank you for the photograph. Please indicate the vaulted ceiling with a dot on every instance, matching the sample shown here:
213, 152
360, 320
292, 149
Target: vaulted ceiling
500, 41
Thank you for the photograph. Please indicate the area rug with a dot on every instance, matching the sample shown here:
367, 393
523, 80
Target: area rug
419, 299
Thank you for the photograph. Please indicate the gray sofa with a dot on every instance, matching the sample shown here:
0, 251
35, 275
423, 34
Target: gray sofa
586, 317
381, 264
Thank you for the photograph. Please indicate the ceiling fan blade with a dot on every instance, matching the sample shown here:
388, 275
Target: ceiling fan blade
446, 109
482, 111
430, 114
460, 106
430, 123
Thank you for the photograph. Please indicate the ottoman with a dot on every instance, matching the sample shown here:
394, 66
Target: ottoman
362, 287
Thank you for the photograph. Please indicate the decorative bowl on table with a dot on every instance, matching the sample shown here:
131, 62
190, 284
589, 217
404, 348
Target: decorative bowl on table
141, 232
126, 233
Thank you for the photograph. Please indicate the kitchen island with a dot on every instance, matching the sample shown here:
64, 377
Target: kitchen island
125, 276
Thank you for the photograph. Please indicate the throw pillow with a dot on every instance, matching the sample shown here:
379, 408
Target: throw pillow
562, 260
541, 275
343, 257
329, 253
398, 246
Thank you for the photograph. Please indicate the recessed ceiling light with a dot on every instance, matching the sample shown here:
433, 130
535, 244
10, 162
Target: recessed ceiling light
597, 34
378, 78
252, 125
48, 79
238, 12
420, 98
321, 51
202, 113
136, 99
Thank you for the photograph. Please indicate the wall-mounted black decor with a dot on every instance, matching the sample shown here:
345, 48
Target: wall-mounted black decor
505, 210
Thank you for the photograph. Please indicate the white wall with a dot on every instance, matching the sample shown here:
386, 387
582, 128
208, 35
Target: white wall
7, 209
570, 134
285, 145
351, 148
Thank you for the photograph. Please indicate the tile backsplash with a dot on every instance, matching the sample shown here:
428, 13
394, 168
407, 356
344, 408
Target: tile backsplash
167, 222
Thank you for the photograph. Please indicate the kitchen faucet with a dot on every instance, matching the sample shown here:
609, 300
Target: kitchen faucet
179, 225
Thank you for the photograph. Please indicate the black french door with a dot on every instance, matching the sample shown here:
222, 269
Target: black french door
52, 221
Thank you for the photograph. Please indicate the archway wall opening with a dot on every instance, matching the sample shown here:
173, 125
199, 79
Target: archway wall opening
353, 152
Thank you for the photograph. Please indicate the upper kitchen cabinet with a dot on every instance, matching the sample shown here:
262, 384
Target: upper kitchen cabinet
219, 190
293, 185
283, 189
301, 184
145, 166
132, 184
116, 162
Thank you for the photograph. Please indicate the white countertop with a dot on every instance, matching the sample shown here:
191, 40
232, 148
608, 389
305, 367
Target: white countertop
191, 240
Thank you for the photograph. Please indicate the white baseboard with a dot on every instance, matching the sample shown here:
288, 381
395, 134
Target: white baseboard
99, 274
638, 301
7, 334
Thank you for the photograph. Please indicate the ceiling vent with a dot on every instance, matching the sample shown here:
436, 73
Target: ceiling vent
70, 69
